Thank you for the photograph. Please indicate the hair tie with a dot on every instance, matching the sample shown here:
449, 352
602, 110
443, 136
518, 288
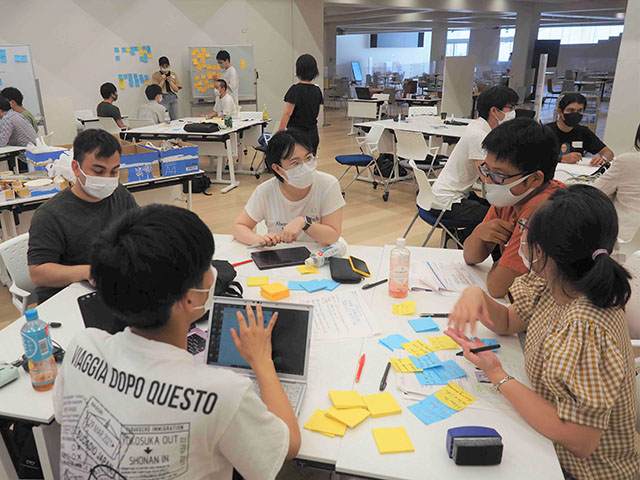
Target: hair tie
600, 251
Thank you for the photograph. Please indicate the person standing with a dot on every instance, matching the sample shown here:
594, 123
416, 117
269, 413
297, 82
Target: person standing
229, 74
170, 85
303, 100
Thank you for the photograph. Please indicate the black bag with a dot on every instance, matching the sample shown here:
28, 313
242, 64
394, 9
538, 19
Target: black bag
201, 127
199, 184
226, 286
18, 437
385, 162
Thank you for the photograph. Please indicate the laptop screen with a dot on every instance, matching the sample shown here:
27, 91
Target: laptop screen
288, 339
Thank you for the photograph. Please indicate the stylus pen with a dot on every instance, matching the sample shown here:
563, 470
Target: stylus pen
434, 315
374, 284
257, 245
383, 382
481, 349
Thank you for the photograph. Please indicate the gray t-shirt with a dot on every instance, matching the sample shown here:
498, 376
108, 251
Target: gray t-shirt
106, 109
63, 229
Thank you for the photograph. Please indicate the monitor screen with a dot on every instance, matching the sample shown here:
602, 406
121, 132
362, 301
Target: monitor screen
288, 339
357, 73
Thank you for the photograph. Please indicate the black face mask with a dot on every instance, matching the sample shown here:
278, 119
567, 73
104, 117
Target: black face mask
572, 119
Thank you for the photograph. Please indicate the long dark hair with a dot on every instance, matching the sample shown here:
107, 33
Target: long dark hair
569, 227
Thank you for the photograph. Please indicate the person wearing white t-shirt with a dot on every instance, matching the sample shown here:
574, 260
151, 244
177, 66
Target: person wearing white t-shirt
300, 203
135, 405
229, 74
224, 102
453, 187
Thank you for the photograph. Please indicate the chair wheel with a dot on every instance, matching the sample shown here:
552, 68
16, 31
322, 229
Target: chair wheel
257, 177
385, 196
343, 194
375, 185
251, 169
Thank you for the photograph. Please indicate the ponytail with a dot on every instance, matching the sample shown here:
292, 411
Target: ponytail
606, 283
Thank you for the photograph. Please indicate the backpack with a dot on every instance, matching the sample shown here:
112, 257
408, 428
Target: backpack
226, 286
385, 162
199, 184
204, 127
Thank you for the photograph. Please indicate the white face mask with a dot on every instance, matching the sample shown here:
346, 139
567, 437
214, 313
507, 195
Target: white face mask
507, 116
208, 303
525, 259
501, 196
302, 176
98, 187
164, 70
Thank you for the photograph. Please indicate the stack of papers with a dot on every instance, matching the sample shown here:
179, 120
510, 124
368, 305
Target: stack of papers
442, 404
342, 315
313, 285
443, 276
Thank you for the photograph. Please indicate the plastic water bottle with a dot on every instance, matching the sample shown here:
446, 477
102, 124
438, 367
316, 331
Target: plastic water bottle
265, 114
39, 351
399, 270
321, 257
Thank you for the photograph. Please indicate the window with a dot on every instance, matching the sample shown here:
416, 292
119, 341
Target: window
506, 44
458, 42
580, 35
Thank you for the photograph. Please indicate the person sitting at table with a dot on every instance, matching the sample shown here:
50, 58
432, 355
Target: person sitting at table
15, 98
15, 130
578, 355
300, 203
577, 139
453, 187
517, 176
152, 267
225, 105
152, 109
106, 108
64, 227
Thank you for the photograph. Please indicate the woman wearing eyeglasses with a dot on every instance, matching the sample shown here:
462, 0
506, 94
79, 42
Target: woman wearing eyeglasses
578, 354
517, 176
300, 203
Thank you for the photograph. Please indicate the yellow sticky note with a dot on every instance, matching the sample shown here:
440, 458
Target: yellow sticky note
207, 55
404, 365
121, 84
243, 65
351, 417
443, 342
215, 67
148, 55
381, 404
199, 67
306, 269
320, 423
392, 440
346, 399
195, 61
404, 308
257, 281
417, 348
203, 50
455, 397
194, 52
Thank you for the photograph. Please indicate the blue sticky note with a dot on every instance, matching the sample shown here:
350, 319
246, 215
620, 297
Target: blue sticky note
292, 285
429, 360
116, 50
3, 59
143, 59
135, 79
423, 324
450, 370
486, 341
117, 58
312, 286
119, 76
431, 410
130, 80
146, 77
393, 342
430, 376
16, 58
0, 81
329, 284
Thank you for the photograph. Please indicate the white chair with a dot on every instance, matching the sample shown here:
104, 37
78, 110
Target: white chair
109, 124
14, 255
366, 159
250, 115
139, 122
47, 138
83, 115
413, 146
423, 111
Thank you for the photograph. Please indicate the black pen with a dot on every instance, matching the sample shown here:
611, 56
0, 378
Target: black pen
374, 284
481, 349
434, 315
383, 382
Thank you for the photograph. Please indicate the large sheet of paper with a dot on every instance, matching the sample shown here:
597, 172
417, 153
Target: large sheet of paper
444, 276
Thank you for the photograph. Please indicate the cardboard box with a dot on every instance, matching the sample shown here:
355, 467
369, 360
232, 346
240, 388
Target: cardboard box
39, 161
139, 171
178, 161
135, 154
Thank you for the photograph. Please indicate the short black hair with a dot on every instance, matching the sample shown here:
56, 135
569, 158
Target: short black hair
223, 55
163, 61
107, 89
12, 93
152, 91
223, 83
570, 98
148, 259
525, 144
97, 141
569, 227
282, 145
306, 67
5, 106
498, 97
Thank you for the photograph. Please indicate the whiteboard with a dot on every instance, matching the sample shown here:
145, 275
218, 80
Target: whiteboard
16, 70
204, 69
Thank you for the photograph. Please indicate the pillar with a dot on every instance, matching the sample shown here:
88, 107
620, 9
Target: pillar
484, 44
330, 49
438, 46
527, 25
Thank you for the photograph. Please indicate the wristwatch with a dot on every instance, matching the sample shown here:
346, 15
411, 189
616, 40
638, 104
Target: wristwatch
504, 380
307, 223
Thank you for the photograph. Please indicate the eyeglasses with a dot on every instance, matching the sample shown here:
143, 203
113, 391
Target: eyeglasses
498, 178
297, 162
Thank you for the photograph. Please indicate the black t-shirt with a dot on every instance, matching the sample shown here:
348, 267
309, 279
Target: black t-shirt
63, 229
580, 139
307, 99
106, 109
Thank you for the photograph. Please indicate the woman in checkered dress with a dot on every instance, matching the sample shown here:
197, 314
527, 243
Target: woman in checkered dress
578, 354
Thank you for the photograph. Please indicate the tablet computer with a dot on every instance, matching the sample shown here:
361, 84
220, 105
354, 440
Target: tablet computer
96, 314
283, 257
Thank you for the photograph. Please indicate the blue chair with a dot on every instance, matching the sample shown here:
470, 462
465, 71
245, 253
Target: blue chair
366, 159
262, 148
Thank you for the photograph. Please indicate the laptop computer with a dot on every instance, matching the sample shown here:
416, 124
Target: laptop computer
363, 93
290, 340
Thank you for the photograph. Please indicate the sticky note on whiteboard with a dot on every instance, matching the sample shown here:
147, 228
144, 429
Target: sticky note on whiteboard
243, 65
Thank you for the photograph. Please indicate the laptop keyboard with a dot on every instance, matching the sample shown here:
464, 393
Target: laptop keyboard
195, 344
292, 390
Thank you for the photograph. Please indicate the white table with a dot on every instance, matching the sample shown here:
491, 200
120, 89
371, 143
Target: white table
565, 171
428, 125
227, 143
11, 152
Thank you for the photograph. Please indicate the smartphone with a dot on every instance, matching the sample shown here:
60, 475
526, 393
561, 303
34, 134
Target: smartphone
359, 266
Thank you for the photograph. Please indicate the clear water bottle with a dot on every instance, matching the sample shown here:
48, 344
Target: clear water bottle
399, 270
39, 351
321, 257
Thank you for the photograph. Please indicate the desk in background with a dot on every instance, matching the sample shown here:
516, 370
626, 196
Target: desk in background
10, 155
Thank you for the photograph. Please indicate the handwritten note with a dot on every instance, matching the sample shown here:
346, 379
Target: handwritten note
443, 343
429, 360
417, 348
455, 397
404, 365
431, 410
404, 308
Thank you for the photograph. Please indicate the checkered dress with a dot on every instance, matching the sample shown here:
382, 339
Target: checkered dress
579, 357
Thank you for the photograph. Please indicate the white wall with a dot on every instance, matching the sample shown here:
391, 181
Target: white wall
484, 44
601, 56
72, 43
351, 48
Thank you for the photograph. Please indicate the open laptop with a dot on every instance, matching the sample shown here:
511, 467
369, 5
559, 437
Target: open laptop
290, 340
363, 93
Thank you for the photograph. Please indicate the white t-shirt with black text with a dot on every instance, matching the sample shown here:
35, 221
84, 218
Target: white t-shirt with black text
268, 203
143, 409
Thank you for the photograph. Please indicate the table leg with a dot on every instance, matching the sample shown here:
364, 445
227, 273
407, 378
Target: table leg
8, 225
189, 195
232, 173
7, 470
47, 439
